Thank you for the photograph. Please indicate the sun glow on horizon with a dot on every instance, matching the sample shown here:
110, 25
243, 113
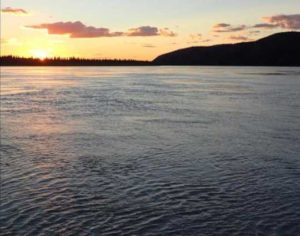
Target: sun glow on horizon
40, 54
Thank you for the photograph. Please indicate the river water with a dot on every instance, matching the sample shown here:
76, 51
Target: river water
150, 151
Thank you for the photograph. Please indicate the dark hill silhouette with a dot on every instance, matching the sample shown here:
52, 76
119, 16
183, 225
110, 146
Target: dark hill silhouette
281, 49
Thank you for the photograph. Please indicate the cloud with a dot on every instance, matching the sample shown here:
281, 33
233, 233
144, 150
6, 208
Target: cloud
15, 11
254, 32
167, 32
226, 28
149, 31
148, 46
284, 21
199, 41
196, 36
221, 25
75, 30
291, 22
79, 30
143, 31
265, 26
238, 38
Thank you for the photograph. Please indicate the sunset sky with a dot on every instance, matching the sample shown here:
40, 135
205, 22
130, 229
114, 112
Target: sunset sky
136, 29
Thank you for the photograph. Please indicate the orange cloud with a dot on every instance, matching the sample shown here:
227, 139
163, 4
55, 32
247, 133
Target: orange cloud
285, 21
15, 11
75, 30
79, 30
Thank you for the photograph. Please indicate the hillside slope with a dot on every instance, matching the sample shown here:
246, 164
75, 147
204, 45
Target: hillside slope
281, 49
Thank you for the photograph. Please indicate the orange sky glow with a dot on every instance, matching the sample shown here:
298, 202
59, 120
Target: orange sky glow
136, 29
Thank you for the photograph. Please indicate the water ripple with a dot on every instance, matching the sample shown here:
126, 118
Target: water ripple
150, 151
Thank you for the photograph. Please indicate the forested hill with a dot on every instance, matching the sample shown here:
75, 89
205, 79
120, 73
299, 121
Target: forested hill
281, 49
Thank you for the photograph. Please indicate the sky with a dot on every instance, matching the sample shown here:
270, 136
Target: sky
136, 29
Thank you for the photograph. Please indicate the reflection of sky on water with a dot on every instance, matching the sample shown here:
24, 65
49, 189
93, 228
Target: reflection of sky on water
162, 143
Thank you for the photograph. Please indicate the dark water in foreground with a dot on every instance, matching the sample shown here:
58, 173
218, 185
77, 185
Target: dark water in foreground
150, 151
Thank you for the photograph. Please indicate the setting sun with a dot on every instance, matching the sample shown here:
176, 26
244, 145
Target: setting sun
41, 54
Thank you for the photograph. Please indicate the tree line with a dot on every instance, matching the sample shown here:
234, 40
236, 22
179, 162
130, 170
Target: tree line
71, 61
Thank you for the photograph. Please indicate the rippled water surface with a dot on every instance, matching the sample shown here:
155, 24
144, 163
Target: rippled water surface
150, 151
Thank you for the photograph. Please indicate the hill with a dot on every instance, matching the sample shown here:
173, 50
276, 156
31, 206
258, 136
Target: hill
281, 49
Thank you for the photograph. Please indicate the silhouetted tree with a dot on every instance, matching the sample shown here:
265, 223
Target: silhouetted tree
72, 61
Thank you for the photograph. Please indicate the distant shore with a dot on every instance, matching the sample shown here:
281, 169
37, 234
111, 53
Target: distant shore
11, 61
57, 61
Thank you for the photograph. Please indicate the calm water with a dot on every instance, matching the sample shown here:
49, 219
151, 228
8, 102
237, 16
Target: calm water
150, 151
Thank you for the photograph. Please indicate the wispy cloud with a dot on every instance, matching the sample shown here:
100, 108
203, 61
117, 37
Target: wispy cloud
226, 28
148, 46
254, 32
15, 11
284, 21
272, 22
196, 36
79, 30
238, 38
221, 25
265, 26
197, 39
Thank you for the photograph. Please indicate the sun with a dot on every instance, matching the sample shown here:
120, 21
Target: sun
40, 54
